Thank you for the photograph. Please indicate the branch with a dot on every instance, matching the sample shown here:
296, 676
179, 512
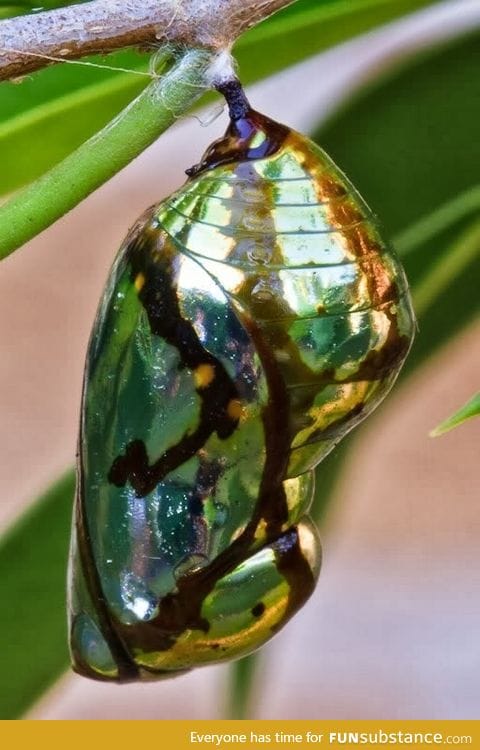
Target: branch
102, 26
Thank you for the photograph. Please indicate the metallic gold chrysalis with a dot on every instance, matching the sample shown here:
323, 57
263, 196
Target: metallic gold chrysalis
249, 322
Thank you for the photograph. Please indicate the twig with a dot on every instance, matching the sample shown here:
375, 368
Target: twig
101, 26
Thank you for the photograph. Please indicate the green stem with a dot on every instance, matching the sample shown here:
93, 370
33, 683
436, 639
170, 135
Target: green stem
242, 674
33, 209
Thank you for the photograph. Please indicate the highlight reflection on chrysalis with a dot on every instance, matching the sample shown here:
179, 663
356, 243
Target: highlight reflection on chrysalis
249, 322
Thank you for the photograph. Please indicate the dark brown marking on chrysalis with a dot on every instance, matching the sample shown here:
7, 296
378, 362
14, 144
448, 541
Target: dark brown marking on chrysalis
327, 185
258, 609
366, 251
159, 298
295, 569
290, 560
205, 486
245, 126
359, 241
206, 480
272, 503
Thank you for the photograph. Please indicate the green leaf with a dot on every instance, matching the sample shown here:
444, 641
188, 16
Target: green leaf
32, 626
468, 411
62, 106
8, 9
11, 10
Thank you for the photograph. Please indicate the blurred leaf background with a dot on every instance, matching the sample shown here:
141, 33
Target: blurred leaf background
409, 142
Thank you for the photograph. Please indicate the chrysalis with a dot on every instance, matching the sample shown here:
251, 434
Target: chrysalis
249, 322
